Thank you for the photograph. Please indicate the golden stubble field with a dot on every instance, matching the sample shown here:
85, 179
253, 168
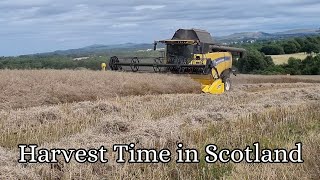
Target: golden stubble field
283, 58
87, 109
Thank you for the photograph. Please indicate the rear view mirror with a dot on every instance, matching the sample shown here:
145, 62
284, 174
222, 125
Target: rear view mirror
242, 54
155, 46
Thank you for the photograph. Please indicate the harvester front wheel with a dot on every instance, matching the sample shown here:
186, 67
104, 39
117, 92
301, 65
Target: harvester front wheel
227, 83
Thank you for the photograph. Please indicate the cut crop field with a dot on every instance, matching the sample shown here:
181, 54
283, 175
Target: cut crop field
88, 109
283, 59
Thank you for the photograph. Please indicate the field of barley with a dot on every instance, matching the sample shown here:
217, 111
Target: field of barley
88, 109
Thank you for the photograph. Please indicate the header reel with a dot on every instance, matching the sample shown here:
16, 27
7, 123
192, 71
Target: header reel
177, 65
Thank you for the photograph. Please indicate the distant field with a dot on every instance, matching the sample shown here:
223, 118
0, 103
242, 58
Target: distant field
282, 59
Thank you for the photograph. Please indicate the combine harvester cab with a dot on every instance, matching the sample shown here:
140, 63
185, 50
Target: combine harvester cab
193, 52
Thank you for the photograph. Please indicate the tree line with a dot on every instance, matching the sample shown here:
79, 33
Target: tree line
257, 63
257, 60
308, 45
46, 61
50, 62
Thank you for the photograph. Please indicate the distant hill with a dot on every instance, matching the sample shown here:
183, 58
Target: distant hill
101, 49
236, 37
300, 31
246, 36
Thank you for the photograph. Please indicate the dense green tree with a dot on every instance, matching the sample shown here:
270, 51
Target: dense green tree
290, 47
300, 41
273, 49
253, 61
294, 66
269, 61
297, 45
277, 69
312, 40
294, 63
310, 48
311, 65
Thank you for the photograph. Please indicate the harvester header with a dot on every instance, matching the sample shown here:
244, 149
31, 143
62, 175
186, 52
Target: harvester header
193, 52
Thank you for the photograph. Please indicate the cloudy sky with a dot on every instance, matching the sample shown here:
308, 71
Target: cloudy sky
31, 26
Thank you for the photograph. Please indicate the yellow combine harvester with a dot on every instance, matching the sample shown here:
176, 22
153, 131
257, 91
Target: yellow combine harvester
193, 52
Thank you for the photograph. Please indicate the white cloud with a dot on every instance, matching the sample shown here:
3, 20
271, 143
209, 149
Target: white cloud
124, 25
145, 7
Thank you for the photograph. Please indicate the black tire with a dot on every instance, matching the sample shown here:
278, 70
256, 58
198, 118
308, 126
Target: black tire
227, 83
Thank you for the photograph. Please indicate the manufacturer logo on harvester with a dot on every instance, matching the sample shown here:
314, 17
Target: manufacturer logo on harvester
222, 59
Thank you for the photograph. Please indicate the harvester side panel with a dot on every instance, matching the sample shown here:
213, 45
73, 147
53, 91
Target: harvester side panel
222, 61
